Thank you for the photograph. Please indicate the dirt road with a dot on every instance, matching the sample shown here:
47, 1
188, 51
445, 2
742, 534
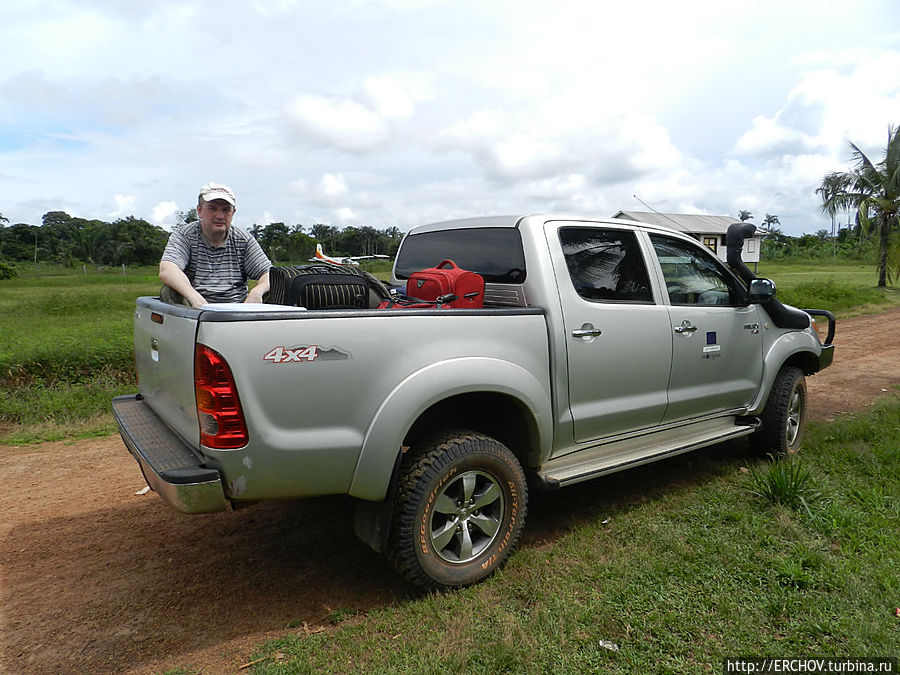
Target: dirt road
95, 578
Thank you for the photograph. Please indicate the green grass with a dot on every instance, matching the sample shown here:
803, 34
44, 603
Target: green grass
785, 481
844, 288
676, 576
66, 350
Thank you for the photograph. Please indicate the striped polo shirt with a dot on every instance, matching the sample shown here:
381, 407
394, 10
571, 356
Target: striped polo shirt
218, 274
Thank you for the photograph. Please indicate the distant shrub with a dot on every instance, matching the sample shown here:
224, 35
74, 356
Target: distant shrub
7, 271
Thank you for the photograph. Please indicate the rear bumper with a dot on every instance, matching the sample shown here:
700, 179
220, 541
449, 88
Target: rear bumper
171, 467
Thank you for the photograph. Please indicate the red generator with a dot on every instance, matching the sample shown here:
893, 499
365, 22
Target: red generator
447, 280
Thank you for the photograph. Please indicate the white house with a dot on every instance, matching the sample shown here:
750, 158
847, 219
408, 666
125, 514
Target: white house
709, 230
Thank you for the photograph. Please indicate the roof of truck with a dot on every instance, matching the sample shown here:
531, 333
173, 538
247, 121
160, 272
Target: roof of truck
462, 223
515, 220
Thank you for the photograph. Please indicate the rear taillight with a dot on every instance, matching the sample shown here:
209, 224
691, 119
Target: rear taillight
221, 420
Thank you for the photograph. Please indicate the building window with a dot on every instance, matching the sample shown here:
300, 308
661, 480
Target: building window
751, 245
711, 243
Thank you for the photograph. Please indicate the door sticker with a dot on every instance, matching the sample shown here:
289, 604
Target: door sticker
711, 350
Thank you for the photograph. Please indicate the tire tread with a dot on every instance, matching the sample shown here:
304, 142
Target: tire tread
421, 462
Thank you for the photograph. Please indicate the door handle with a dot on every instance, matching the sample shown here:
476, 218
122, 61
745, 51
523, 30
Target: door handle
686, 327
586, 331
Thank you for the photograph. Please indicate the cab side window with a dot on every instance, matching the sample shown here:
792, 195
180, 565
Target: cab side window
694, 277
605, 265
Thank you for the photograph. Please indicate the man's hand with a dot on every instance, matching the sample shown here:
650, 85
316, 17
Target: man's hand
255, 295
257, 292
175, 279
195, 299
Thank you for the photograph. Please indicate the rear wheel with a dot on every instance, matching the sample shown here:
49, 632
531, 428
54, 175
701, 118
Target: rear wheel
460, 509
784, 417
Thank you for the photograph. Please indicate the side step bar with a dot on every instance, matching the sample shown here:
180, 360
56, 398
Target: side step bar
600, 460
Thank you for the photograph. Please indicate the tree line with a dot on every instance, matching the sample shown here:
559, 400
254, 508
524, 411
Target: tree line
853, 242
283, 243
67, 240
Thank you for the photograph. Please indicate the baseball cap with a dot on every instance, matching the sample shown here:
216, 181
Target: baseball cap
212, 191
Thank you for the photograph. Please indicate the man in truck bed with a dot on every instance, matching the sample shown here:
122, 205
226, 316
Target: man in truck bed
209, 260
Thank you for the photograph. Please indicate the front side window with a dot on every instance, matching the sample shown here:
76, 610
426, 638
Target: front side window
693, 276
605, 265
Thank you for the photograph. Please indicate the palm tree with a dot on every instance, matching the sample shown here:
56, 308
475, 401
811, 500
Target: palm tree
770, 221
874, 191
745, 215
832, 184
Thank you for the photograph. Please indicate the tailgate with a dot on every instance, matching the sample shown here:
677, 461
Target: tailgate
164, 355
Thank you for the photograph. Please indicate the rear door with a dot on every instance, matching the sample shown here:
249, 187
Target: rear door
618, 340
717, 354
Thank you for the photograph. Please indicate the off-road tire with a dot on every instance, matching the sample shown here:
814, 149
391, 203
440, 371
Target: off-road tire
784, 417
459, 510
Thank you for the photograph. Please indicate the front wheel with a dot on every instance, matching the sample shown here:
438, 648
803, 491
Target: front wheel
461, 504
784, 417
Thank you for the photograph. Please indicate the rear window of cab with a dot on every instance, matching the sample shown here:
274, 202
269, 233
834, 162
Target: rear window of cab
495, 253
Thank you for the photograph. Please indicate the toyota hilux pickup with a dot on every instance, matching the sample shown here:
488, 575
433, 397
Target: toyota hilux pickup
602, 345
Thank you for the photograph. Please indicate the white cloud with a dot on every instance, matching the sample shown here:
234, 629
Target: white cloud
848, 99
164, 214
124, 206
766, 136
348, 124
343, 124
345, 216
332, 186
267, 218
608, 148
390, 100
271, 8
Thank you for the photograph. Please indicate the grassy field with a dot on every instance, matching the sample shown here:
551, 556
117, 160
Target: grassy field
664, 569
66, 343
846, 289
66, 350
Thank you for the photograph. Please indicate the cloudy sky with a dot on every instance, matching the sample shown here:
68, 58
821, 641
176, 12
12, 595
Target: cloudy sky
396, 112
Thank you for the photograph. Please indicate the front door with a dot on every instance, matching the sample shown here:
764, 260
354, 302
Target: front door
717, 354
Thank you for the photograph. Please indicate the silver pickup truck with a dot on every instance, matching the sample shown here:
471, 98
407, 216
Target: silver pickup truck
603, 345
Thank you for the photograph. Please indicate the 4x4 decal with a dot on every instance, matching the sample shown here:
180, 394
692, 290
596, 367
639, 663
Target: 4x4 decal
304, 354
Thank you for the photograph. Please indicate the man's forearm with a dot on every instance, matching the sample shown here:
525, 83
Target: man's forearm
177, 280
261, 288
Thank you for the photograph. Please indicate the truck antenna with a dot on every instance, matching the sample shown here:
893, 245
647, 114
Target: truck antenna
655, 211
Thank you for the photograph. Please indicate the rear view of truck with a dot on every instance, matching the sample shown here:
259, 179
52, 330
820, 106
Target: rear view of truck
190, 387
243, 403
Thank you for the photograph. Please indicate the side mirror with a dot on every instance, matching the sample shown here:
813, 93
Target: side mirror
761, 290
